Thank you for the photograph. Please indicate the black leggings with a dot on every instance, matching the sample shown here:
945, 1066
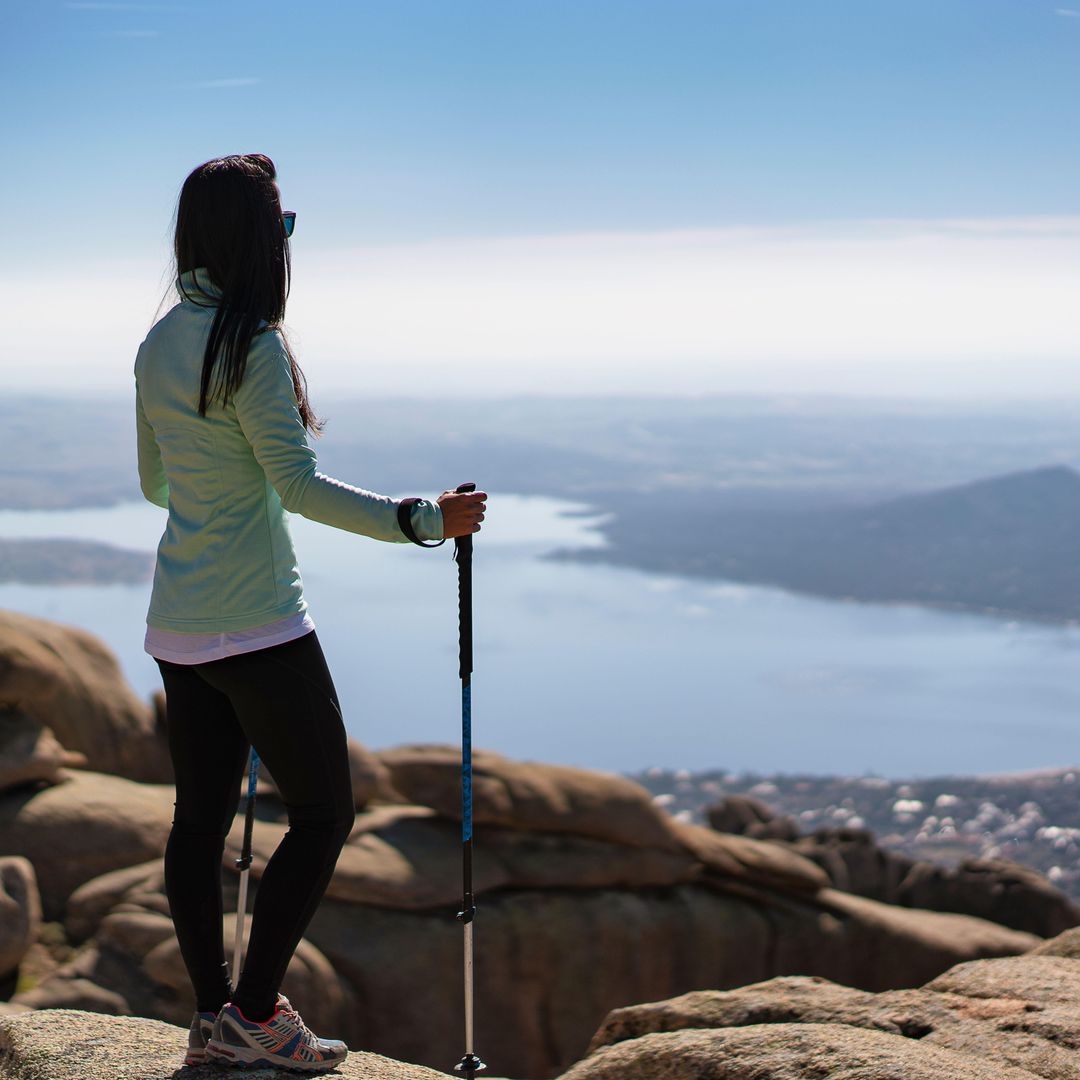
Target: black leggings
281, 700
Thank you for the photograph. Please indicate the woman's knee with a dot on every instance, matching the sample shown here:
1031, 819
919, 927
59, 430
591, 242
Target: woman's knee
334, 820
185, 824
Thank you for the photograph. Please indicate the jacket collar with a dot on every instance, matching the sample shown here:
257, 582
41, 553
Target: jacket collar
198, 287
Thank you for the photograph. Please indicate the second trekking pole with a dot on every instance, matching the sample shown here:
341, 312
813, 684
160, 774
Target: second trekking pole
243, 864
470, 1064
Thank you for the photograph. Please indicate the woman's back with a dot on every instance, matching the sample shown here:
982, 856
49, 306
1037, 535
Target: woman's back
226, 560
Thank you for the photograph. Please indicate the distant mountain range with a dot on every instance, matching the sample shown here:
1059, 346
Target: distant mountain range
72, 562
833, 498
79, 451
1009, 544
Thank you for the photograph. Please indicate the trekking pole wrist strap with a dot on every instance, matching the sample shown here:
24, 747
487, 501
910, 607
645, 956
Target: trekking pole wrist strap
404, 518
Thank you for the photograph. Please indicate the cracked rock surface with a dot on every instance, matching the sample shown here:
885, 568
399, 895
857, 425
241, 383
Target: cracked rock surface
1008, 1017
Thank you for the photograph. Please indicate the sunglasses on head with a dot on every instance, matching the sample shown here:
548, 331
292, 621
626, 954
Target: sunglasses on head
288, 220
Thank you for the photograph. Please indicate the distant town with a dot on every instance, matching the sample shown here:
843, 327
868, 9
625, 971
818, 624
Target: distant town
1031, 818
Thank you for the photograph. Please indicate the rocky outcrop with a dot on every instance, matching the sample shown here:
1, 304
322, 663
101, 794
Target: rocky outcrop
30, 754
749, 816
590, 896
1009, 1017
550, 964
997, 889
410, 857
530, 795
787, 1052
142, 885
65, 1044
70, 681
84, 827
1066, 943
569, 925
20, 911
370, 780
133, 965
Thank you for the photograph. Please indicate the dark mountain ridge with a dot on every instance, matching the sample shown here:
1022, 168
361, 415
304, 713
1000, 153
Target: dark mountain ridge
1007, 544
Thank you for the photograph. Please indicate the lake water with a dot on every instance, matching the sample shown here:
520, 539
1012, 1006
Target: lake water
613, 668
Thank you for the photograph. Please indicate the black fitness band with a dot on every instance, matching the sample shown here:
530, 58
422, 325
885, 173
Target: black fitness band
404, 520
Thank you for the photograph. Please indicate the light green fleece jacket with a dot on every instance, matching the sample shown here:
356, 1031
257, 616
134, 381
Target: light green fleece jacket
226, 559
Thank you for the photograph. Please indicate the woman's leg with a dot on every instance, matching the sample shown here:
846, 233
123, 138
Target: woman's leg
285, 701
208, 749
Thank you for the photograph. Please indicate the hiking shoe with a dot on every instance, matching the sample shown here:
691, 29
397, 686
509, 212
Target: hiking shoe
202, 1027
284, 1041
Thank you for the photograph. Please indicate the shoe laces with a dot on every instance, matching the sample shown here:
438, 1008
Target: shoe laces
287, 1007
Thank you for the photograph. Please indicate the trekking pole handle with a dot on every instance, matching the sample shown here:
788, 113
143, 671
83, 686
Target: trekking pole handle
463, 542
463, 548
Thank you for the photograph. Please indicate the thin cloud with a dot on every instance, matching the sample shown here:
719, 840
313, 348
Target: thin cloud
948, 308
1069, 13
222, 84
942, 307
129, 33
95, 5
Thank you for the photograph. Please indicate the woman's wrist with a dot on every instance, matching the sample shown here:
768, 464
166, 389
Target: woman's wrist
421, 521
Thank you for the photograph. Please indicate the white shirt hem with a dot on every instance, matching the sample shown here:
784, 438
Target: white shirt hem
199, 648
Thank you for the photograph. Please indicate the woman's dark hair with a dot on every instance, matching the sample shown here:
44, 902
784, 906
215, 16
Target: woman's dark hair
228, 220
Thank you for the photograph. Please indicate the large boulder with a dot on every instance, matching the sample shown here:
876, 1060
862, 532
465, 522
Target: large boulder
311, 984
551, 963
876, 933
409, 857
20, 910
785, 1052
997, 889
370, 778
73, 991
1036, 978
988, 1016
740, 858
1067, 943
68, 680
133, 965
77, 830
750, 816
530, 794
67, 1044
30, 754
94, 899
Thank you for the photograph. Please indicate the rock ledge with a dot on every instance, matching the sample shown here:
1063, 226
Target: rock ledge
67, 1044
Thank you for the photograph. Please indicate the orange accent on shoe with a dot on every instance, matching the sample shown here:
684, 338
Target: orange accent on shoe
268, 1020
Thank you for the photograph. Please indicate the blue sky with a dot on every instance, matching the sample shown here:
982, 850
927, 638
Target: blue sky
409, 122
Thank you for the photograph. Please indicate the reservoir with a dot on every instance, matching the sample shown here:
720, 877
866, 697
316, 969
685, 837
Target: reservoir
614, 668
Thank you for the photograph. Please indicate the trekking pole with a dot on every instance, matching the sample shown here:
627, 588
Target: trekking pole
244, 864
470, 1064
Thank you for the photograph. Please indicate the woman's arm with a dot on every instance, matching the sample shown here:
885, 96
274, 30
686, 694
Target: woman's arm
155, 487
270, 418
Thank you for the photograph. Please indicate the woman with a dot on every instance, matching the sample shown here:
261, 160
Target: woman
223, 416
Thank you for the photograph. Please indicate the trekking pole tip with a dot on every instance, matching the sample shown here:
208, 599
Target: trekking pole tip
470, 1064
